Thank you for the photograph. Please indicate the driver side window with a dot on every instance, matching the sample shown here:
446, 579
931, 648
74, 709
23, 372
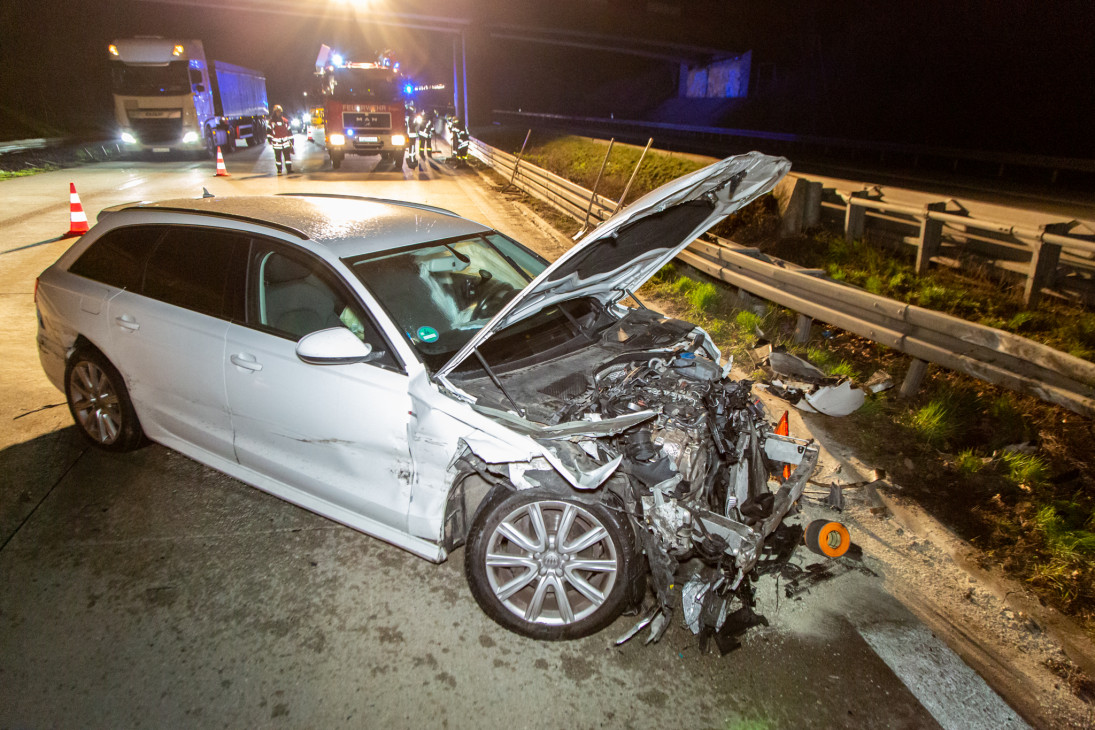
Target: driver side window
292, 295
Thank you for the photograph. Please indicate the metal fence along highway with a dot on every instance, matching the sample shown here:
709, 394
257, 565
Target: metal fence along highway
982, 352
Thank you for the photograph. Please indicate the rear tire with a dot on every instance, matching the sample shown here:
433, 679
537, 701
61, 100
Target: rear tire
547, 566
99, 402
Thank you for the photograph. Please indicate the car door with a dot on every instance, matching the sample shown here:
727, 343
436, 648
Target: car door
333, 433
167, 337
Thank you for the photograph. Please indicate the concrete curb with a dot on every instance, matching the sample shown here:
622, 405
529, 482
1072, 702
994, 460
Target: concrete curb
1062, 629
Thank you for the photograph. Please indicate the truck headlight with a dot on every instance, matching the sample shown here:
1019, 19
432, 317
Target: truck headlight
128, 138
337, 140
190, 137
398, 140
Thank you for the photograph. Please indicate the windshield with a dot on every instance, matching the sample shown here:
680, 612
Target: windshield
440, 294
170, 79
363, 84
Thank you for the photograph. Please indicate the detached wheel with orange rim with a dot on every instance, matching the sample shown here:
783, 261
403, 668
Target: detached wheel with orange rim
827, 538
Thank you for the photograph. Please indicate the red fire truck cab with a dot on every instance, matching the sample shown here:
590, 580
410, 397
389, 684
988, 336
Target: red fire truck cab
365, 112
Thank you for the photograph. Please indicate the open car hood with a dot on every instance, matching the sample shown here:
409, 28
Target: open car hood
619, 255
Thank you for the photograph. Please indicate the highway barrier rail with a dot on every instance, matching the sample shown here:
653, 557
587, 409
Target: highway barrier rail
1058, 258
989, 354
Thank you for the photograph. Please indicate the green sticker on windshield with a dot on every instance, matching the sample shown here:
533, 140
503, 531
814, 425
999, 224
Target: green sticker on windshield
427, 334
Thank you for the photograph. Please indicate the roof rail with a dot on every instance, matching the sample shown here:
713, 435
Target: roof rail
217, 214
405, 203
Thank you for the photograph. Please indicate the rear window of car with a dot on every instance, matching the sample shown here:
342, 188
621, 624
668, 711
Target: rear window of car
198, 269
118, 257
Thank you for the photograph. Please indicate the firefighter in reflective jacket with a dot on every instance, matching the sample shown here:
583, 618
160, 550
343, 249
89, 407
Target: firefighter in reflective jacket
413, 121
460, 140
281, 139
425, 134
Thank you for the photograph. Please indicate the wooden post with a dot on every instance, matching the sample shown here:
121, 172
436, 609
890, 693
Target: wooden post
802, 329
913, 379
855, 218
931, 236
1043, 265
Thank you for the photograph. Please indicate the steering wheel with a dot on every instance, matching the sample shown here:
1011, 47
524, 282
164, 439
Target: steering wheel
494, 300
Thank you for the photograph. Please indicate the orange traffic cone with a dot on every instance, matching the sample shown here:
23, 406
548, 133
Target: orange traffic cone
783, 428
77, 218
222, 171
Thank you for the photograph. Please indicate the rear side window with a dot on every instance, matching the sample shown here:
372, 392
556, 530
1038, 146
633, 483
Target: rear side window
199, 269
118, 257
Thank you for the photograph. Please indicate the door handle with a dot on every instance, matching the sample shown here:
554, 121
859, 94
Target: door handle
127, 323
245, 361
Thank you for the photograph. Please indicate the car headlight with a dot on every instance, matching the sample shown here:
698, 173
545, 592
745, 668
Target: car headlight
128, 138
337, 140
398, 140
190, 137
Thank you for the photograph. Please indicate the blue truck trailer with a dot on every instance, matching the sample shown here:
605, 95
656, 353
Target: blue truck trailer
169, 98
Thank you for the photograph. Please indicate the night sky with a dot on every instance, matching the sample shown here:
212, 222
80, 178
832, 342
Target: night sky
1008, 76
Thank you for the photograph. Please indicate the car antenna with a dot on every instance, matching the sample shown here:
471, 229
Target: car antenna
207, 194
496, 381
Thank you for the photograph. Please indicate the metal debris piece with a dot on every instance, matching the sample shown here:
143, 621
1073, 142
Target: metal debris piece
641, 624
879, 382
790, 366
837, 400
835, 500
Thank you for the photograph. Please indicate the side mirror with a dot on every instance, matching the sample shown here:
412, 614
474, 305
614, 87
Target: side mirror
335, 346
199, 88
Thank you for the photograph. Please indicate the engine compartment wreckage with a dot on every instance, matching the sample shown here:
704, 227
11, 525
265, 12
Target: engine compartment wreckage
659, 434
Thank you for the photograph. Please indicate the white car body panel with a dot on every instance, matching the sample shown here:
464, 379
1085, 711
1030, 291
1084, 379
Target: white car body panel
171, 363
339, 431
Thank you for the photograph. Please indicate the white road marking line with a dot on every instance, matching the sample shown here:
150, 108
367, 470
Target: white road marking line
956, 696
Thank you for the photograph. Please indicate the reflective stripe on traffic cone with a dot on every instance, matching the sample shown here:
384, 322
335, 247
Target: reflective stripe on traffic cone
77, 225
222, 171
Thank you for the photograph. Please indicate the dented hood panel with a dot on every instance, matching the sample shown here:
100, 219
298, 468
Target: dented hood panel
627, 249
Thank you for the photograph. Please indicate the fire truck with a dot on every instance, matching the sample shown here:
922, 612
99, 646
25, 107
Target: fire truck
365, 110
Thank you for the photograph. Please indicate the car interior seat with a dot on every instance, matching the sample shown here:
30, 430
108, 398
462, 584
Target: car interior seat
296, 301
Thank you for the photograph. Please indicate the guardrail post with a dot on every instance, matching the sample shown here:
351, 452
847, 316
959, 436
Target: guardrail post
1043, 265
811, 214
931, 236
802, 329
855, 217
517, 163
913, 378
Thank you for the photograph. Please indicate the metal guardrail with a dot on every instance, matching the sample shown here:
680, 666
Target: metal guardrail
982, 352
1047, 255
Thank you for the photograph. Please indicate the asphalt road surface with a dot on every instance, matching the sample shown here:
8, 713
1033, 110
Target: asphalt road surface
144, 589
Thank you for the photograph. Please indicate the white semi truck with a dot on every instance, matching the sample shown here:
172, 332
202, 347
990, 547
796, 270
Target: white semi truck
168, 98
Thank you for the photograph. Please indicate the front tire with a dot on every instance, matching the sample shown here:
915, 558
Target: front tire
99, 402
336, 162
549, 567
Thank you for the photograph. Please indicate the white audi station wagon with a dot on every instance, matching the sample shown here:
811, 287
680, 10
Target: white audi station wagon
429, 381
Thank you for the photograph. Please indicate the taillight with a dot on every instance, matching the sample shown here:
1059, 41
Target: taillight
36, 291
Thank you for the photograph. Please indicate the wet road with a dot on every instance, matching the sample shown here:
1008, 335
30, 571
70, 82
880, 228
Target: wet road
144, 589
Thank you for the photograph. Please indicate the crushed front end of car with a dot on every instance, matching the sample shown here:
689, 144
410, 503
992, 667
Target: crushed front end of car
642, 422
